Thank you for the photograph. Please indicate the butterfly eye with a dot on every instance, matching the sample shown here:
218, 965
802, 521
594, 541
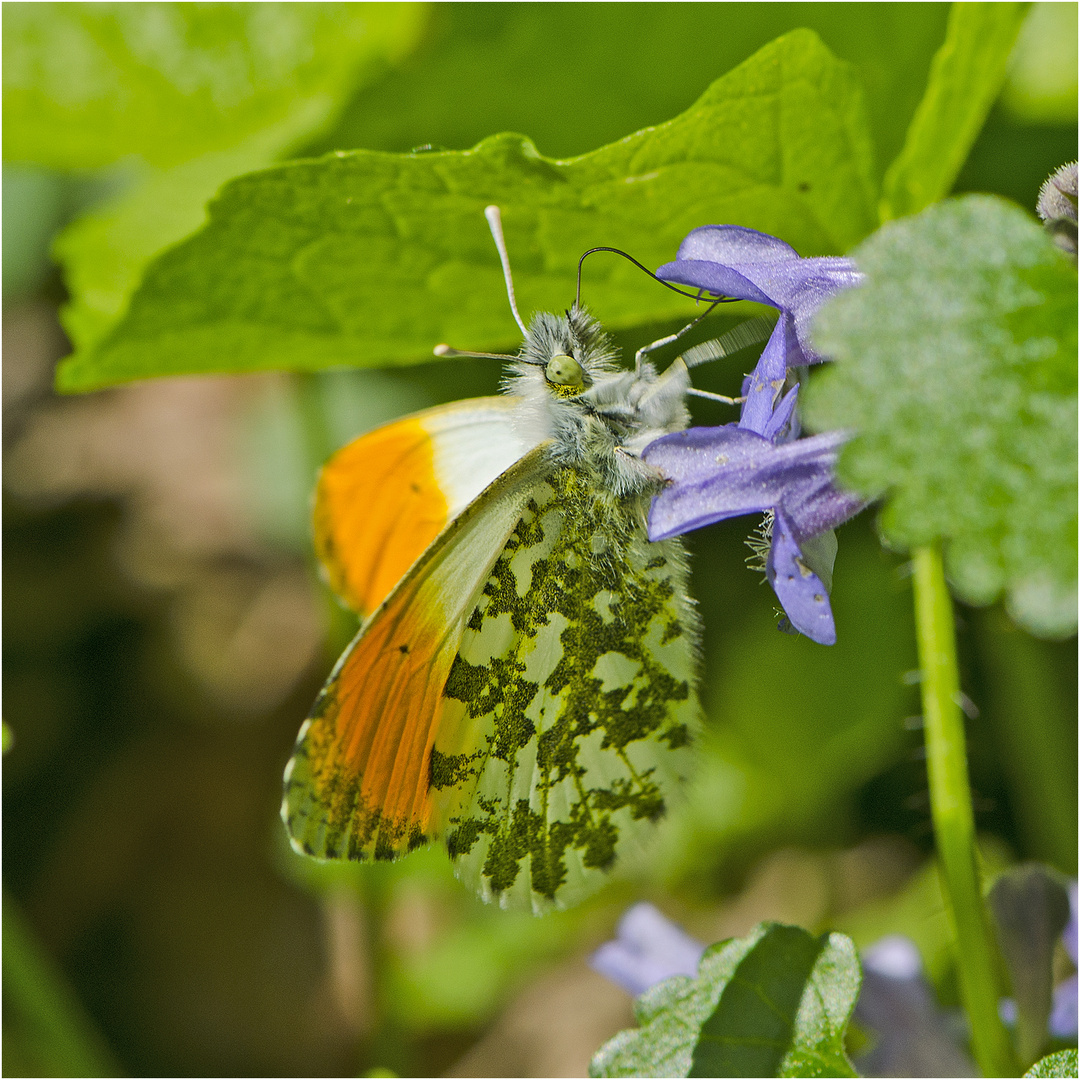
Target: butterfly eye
564, 370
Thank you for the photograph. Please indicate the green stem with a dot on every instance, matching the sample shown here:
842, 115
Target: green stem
954, 822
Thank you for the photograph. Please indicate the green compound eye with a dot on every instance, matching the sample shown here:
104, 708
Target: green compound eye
563, 370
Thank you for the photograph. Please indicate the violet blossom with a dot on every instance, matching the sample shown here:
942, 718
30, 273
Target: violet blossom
647, 949
912, 1035
759, 465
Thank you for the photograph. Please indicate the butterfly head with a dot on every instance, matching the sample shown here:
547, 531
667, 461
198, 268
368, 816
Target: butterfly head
563, 355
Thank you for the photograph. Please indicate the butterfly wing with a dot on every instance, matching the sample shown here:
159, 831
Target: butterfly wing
569, 708
526, 691
358, 784
382, 499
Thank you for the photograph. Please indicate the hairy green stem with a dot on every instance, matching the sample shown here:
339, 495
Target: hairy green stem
954, 822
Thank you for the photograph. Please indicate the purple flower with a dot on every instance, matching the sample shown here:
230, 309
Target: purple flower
756, 466
647, 949
730, 260
912, 1035
724, 472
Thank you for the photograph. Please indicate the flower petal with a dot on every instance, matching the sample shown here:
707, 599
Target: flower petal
1063, 1014
723, 472
1069, 936
781, 426
730, 260
732, 244
715, 477
800, 591
912, 1036
648, 948
763, 385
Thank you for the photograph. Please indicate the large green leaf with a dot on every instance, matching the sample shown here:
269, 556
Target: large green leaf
956, 366
775, 1003
577, 76
105, 252
484, 68
199, 93
88, 84
365, 258
965, 78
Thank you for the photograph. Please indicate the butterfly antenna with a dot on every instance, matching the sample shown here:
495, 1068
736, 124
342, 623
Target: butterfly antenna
446, 350
699, 295
494, 220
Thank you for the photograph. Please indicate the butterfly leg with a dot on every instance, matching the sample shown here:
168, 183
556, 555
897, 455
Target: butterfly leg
715, 397
639, 356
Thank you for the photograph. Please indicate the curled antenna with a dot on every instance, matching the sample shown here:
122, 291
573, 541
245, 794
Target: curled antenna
494, 220
700, 294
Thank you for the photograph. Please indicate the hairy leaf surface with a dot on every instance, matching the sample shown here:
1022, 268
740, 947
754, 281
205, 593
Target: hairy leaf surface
956, 366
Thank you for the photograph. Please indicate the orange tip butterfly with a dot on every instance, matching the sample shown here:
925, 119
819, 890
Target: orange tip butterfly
523, 685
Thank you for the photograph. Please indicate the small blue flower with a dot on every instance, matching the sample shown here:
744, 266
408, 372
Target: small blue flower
730, 260
912, 1035
756, 465
647, 949
728, 471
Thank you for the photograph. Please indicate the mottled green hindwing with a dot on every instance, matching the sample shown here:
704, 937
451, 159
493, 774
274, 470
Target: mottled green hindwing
570, 707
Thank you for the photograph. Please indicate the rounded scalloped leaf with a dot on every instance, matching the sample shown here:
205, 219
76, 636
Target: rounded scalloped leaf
955, 363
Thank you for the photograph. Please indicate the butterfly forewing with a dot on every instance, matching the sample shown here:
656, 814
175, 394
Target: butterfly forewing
384, 498
569, 706
358, 784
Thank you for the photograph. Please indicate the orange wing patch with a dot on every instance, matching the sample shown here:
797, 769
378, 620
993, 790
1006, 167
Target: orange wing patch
378, 506
367, 750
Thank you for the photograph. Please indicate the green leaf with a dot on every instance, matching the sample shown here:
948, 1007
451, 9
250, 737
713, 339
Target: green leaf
203, 93
956, 366
43, 1019
965, 78
88, 84
774, 1003
1062, 1063
105, 252
532, 67
367, 258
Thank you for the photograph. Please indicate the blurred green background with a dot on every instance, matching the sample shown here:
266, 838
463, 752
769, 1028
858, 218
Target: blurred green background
165, 634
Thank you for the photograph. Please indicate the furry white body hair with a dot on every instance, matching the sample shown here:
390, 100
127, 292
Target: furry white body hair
605, 423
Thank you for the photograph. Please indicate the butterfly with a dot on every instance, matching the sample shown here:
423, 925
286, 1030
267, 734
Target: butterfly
523, 685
